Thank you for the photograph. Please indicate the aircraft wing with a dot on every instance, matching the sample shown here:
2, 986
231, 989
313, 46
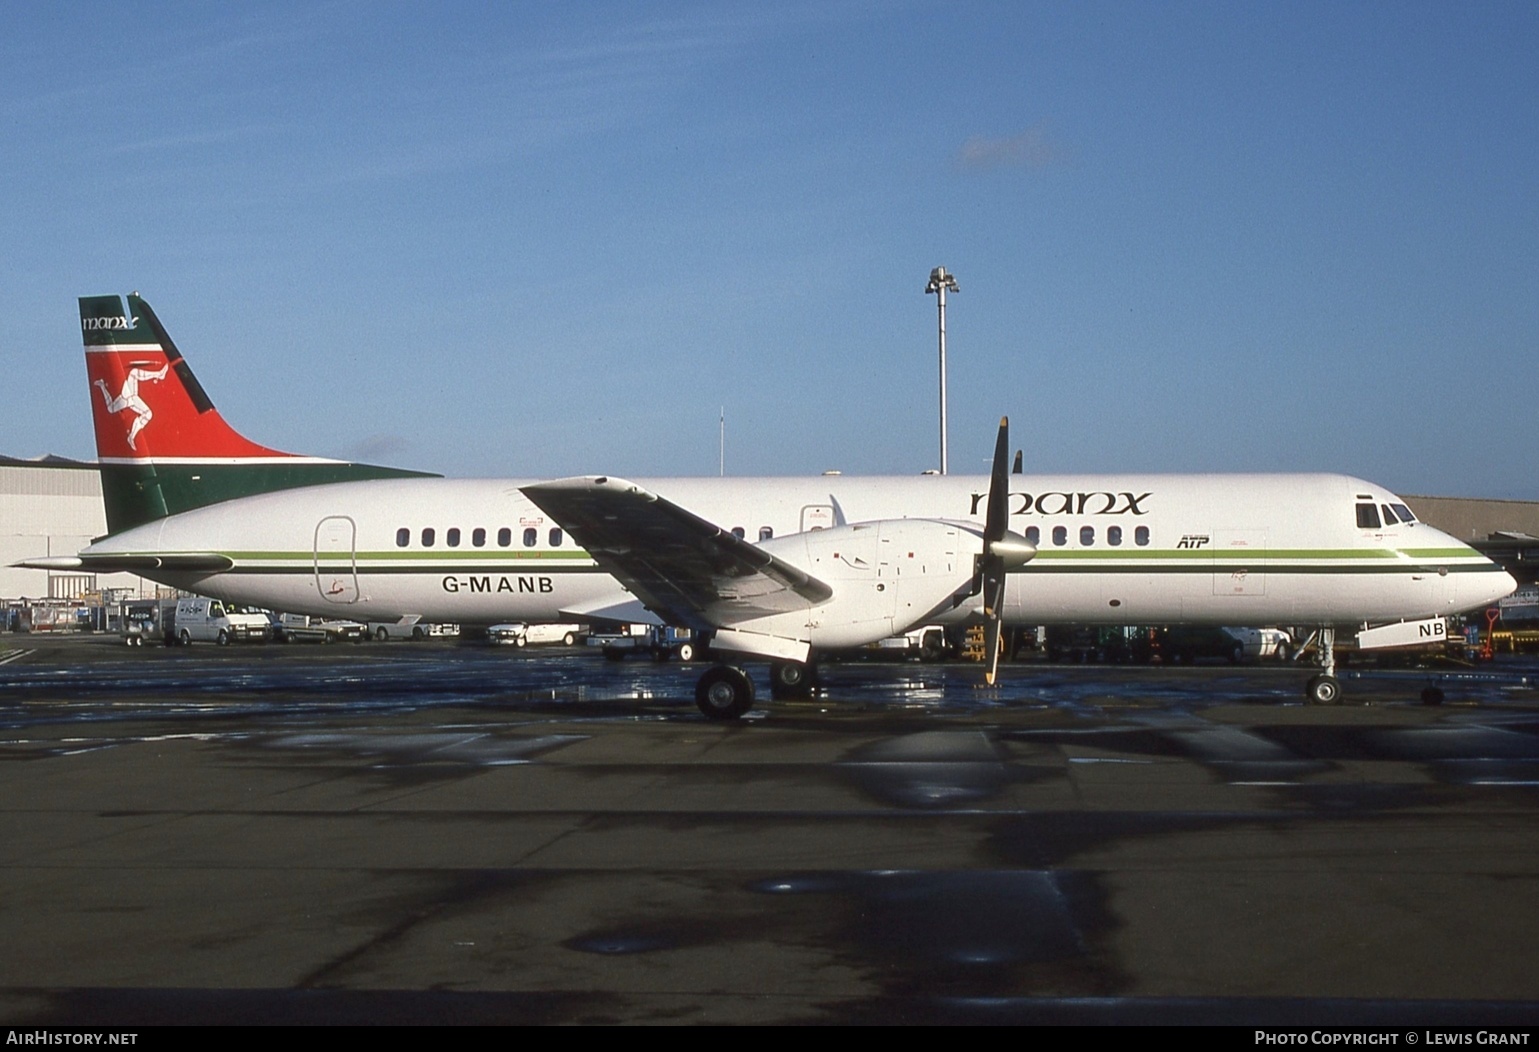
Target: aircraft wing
689, 571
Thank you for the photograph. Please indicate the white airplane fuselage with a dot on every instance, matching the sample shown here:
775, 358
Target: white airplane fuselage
1111, 549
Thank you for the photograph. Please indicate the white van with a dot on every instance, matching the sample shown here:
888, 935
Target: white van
210, 621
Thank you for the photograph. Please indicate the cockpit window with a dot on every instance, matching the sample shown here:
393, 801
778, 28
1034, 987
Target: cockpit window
1404, 513
1367, 517
1389, 516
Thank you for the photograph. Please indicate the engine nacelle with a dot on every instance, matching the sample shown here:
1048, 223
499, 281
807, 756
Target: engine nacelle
887, 576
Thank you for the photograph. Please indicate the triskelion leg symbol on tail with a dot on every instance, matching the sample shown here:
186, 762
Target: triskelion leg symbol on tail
128, 398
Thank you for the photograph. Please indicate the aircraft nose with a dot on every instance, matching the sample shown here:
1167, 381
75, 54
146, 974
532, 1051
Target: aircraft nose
1483, 589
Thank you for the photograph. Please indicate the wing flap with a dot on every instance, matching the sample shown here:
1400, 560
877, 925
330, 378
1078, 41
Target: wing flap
690, 571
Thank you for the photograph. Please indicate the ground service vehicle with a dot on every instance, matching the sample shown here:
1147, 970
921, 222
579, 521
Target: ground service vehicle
659, 642
210, 621
148, 620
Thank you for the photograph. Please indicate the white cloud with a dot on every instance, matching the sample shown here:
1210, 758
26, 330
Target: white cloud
1027, 149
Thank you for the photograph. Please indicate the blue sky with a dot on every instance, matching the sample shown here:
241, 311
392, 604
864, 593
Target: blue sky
531, 240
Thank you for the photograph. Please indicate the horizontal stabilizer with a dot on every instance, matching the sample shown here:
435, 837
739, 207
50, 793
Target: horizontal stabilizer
192, 562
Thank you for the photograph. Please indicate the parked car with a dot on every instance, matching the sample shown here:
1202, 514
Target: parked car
302, 628
407, 629
518, 634
1264, 644
1188, 643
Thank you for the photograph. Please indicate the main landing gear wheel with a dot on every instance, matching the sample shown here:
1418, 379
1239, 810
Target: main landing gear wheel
724, 693
1323, 690
791, 679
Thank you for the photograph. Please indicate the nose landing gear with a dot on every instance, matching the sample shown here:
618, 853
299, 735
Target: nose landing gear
1325, 689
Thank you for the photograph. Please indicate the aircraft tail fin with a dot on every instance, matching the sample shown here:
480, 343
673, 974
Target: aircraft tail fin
162, 446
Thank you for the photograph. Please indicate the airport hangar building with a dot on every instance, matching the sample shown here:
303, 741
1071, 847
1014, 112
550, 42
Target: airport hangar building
53, 506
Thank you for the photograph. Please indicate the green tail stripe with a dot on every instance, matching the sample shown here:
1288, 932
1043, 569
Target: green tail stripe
138, 493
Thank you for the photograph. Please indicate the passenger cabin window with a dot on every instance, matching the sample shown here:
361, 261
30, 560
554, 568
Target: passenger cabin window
1141, 536
428, 536
530, 536
738, 531
1087, 535
1114, 535
478, 537
1367, 517
766, 532
1033, 536
555, 537
402, 537
504, 537
452, 538
1060, 536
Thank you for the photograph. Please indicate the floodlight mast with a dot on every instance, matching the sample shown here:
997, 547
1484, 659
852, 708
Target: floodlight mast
940, 283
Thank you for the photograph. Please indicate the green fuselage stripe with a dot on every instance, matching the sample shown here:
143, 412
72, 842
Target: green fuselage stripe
1327, 561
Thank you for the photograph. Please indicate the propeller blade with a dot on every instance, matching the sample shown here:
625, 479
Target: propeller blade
991, 564
998, 518
1002, 552
993, 610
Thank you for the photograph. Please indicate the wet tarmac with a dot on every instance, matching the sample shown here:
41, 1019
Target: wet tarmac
439, 833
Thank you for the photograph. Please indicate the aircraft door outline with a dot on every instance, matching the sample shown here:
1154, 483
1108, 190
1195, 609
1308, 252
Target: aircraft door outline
336, 559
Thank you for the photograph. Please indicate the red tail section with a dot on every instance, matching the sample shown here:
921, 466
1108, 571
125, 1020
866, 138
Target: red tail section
162, 445
145, 401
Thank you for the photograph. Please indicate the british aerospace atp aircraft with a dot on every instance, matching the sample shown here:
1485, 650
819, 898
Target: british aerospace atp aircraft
770, 568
